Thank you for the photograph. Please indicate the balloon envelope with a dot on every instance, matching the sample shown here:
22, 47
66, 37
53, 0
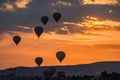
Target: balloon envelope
38, 60
16, 39
38, 30
44, 19
60, 55
56, 16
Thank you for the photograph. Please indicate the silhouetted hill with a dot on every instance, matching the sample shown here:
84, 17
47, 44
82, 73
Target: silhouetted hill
70, 70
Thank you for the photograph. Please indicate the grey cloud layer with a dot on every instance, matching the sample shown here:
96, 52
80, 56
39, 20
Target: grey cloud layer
30, 16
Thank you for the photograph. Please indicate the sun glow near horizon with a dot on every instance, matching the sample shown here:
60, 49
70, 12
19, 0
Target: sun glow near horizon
99, 41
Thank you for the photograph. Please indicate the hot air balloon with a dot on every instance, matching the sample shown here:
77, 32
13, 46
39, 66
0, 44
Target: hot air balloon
60, 55
38, 30
16, 39
56, 16
44, 19
49, 72
38, 60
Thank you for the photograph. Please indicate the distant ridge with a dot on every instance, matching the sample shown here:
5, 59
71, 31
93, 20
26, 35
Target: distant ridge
80, 69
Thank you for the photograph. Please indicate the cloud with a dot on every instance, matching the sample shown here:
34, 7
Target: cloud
108, 40
24, 27
62, 30
61, 3
3, 1
101, 2
9, 5
72, 17
108, 46
22, 3
92, 23
110, 11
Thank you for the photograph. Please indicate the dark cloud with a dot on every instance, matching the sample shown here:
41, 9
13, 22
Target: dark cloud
117, 27
108, 46
59, 31
2, 1
30, 16
76, 29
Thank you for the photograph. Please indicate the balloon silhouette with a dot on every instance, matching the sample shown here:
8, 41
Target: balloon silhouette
49, 72
38, 60
16, 39
60, 55
44, 19
56, 16
38, 30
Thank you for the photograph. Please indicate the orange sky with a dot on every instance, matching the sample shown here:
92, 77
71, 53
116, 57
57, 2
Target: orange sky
99, 43
91, 30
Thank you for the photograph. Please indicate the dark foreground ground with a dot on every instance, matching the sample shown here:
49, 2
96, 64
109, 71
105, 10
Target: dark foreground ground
103, 76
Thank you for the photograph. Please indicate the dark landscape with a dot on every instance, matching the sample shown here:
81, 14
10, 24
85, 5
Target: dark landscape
71, 71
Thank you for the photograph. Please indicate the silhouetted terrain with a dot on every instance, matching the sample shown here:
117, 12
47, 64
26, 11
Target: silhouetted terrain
84, 69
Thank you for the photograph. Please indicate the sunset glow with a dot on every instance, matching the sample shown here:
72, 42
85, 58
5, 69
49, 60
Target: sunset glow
86, 39
101, 2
